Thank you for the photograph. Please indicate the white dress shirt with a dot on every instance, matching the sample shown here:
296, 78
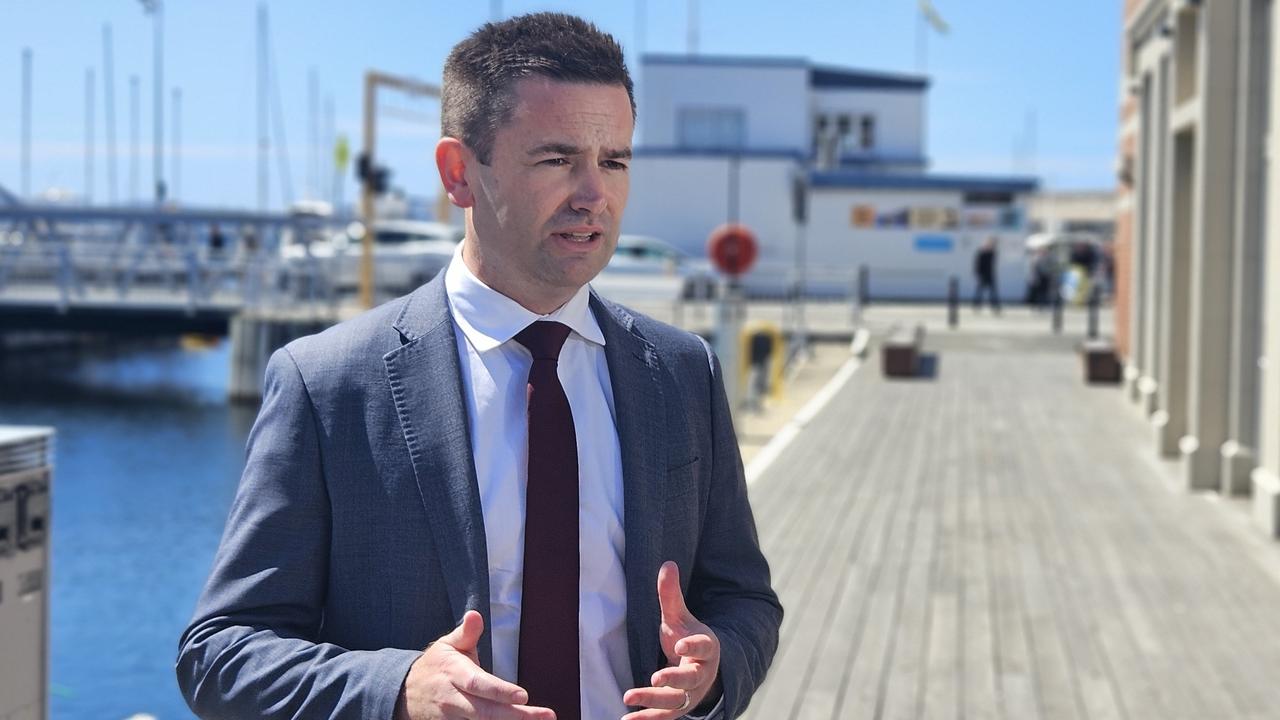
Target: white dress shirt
495, 370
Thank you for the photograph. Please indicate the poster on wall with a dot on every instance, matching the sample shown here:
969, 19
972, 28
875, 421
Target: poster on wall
895, 218
926, 218
934, 244
981, 218
863, 216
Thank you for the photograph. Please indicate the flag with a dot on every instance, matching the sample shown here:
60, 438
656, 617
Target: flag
931, 16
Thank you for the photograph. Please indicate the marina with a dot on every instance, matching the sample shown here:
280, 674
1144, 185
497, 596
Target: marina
1004, 389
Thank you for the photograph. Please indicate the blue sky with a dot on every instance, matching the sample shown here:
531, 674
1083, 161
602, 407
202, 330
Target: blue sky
1003, 61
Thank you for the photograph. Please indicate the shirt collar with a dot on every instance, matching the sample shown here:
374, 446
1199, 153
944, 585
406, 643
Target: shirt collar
488, 318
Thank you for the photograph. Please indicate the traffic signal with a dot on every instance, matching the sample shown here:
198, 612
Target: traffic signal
377, 176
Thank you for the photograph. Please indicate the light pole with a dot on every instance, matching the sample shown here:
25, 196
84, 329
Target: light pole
155, 9
26, 123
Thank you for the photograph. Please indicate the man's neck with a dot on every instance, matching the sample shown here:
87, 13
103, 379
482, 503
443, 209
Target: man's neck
541, 303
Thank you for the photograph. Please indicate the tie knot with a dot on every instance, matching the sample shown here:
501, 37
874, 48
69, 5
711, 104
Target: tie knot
544, 339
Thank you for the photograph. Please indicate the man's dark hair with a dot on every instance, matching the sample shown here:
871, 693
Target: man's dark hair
478, 94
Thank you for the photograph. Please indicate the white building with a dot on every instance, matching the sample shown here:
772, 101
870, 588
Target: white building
764, 140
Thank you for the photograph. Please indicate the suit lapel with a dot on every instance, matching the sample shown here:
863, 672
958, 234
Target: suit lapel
640, 409
426, 385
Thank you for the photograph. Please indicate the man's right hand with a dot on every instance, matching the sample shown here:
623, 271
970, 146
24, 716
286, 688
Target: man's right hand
447, 682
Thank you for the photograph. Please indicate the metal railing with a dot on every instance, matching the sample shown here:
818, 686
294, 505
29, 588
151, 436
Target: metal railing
198, 259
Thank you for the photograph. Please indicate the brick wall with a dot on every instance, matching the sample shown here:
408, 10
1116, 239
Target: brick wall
1123, 249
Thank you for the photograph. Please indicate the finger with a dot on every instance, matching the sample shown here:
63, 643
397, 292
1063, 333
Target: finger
660, 698
685, 677
461, 705
478, 684
653, 715
670, 596
699, 647
489, 710
466, 636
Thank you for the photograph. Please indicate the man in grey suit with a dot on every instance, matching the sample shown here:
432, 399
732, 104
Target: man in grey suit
414, 475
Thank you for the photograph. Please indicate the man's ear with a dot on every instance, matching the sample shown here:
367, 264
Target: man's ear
451, 160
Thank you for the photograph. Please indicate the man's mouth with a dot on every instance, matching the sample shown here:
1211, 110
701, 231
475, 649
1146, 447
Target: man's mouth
580, 237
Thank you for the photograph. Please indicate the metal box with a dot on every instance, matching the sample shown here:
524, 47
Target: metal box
26, 475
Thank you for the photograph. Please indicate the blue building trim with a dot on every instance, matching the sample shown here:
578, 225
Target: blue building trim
767, 153
725, 60
828, 77
857, 164
820, 76
882, 181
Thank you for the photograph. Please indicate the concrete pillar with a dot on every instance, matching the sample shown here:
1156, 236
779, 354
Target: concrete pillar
1213, 219
254, 336
1170, 421
1266, 477
1140, 239
1157, 238
1239, 452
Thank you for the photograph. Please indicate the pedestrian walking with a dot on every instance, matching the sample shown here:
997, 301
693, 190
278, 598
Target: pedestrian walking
984, 270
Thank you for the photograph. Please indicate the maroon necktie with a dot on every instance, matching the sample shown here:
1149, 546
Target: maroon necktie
548, 658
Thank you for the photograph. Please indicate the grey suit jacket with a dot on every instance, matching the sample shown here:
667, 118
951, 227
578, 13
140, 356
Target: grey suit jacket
356, 536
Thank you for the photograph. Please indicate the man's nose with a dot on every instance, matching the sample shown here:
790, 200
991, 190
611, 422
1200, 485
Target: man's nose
588, 191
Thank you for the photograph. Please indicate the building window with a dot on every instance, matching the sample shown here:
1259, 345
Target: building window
867, 132
711, 128
819, 134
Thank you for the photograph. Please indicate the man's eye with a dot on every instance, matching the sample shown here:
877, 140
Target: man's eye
555, 162
614, 165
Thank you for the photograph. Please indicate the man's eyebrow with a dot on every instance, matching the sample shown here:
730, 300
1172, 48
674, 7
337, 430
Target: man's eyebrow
566, 149
555, 149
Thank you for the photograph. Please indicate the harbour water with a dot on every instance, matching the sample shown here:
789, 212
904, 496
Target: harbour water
147, 457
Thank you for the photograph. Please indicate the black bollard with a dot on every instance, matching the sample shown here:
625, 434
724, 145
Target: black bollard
1056, 289
864, 284
1094, 302
953, 302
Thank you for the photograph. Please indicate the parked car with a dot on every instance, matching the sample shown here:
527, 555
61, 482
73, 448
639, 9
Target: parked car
641, 261
406, 254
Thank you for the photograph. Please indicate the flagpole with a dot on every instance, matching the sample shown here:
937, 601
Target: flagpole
922, 42
929, 18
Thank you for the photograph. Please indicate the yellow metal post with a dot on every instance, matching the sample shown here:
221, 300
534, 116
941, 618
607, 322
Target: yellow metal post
366, 189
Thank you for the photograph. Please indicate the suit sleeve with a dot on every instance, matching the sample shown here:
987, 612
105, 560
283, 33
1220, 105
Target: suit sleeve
729, 586
250, 651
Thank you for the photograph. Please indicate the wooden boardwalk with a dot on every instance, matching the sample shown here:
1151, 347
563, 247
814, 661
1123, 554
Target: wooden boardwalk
999, 541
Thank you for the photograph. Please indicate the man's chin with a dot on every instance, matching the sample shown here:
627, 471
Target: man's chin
572, 273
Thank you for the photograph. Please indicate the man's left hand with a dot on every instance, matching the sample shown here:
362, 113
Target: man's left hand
693, 651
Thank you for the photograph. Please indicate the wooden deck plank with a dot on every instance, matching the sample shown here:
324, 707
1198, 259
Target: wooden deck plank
1013, 553
819, 582
837, 637
942, 681
978, 691
1199, 691
1067, 586
1013, 666
902, 676
861, 694
818, 696
1176, 562
1113, 619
